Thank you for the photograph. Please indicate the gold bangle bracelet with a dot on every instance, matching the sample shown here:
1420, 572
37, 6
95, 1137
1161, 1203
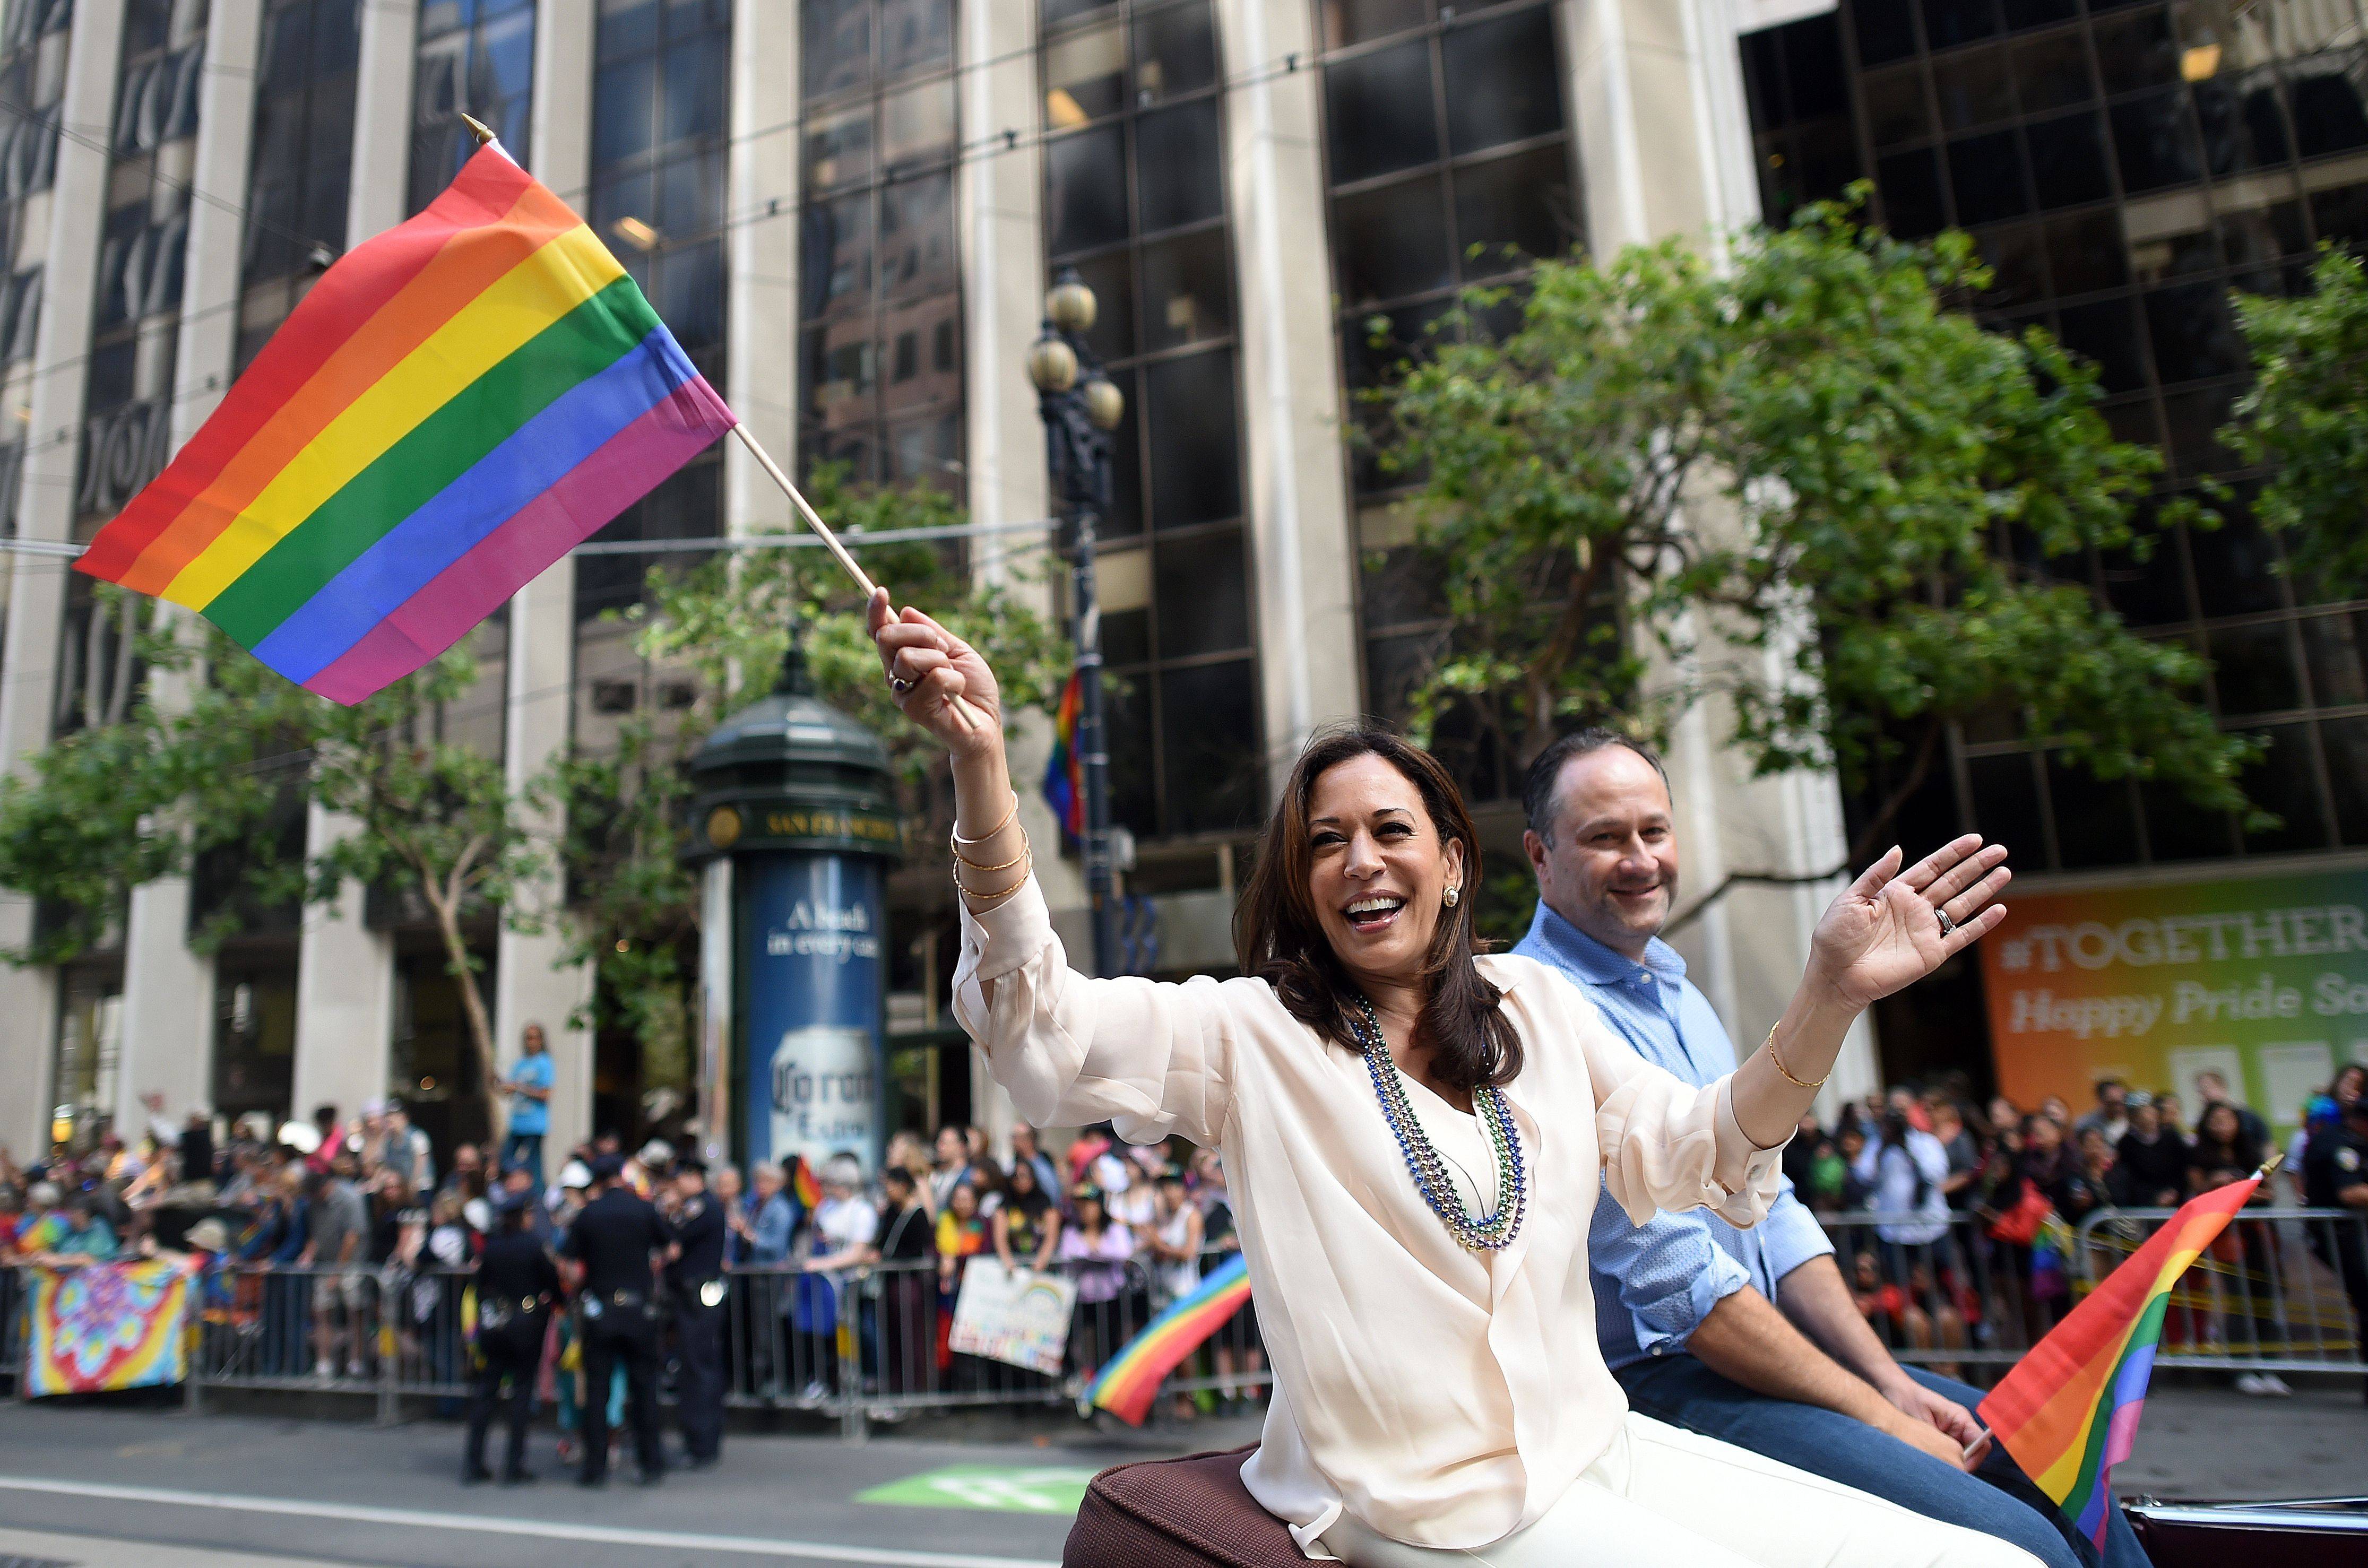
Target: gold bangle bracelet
1025, 854
994, 900
1777, 1057
991, 832
963, 860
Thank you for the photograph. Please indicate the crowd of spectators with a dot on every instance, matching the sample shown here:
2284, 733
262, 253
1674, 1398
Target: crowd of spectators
1957, 1217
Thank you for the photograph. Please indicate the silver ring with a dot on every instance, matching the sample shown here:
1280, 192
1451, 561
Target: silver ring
899, 685
1947, 925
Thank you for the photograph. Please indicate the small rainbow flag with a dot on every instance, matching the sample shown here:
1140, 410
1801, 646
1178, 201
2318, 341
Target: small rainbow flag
1128, 1385
455, 405
1064, 771
802, 1184
2068, 1411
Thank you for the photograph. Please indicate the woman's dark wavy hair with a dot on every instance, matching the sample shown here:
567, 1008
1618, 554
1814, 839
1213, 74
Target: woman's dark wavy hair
1279, 937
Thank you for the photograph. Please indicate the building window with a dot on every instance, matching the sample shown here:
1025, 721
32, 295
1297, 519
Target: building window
1451, 163
33, 83
2122, 171
303, 160
661, 120
476, 57
880, 366
1134, 199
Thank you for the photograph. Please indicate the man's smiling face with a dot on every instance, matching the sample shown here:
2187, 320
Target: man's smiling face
1610, 866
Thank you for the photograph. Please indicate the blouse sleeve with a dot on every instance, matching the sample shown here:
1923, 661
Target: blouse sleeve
1667, 1144
1151, 1058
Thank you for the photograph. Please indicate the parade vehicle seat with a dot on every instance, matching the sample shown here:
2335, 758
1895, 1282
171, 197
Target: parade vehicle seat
1187, 1513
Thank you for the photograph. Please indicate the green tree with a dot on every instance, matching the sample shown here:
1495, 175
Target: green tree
1815, 487
727, 621
2305, 420
103, 810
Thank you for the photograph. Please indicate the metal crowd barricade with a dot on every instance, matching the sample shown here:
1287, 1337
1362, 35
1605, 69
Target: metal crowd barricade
1952, 1301
2280, 1290
12, 1329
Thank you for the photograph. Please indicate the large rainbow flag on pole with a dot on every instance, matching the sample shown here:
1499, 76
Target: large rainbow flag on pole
454, 405
1129, 1383
2068, 1411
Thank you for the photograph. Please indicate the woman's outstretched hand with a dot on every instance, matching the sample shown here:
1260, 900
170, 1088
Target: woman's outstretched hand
1886, 930
939, 681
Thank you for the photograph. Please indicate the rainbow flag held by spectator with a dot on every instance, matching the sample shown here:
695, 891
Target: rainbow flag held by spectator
1131, 1380
106, 1325
2051, 1252
456, 404
804, 1186
1064, 771
2068, 1411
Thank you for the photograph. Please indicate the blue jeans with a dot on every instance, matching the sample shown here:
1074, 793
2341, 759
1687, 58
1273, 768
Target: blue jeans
1997, 1499
523, 1149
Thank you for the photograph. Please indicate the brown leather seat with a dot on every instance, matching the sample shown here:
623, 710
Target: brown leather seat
1187, 1513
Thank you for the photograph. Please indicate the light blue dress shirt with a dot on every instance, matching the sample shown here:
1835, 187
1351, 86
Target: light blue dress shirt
1655, 1282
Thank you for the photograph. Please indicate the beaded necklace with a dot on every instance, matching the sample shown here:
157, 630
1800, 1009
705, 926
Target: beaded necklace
1423, 1161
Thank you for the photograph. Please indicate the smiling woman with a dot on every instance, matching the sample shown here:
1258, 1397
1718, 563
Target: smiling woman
1415, 1135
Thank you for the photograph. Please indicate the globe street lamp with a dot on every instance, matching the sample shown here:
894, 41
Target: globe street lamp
1081, 406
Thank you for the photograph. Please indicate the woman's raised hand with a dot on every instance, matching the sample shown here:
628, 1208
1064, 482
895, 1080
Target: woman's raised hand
939, 681
1891, 928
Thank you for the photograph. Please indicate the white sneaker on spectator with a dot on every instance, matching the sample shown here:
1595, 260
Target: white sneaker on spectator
2251, 1383
817, 1394
356, 1370
326, 1372
2274, 1386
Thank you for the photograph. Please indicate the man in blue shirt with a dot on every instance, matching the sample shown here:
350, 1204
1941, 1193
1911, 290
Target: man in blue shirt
1749, 1337
528, 1087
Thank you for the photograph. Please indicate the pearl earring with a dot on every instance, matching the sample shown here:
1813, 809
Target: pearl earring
1452, 894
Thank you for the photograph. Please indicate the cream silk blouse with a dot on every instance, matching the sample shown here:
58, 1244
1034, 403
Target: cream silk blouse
1445, 1398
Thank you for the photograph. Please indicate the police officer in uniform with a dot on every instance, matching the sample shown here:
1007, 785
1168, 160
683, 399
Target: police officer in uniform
517, 1285
612, 1242
2335, 1176
695, 1285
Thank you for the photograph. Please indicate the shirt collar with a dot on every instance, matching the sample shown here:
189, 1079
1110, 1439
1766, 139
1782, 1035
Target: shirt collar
1592, 962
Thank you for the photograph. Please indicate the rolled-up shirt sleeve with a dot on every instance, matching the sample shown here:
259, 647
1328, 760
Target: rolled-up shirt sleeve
1670, 1273
1790, 1234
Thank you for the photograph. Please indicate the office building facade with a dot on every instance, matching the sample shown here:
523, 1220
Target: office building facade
848, 211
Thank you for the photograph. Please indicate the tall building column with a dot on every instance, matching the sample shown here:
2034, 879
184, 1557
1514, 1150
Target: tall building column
28, 659
1000, 190
1300, 517
532, 982
761, 316
168, 991
345, 979
1657, 93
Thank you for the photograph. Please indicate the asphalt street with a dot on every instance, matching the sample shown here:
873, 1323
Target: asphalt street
112, 1488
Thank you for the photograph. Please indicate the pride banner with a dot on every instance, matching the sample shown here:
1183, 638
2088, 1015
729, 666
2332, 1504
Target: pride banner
2262, 979
104, 1327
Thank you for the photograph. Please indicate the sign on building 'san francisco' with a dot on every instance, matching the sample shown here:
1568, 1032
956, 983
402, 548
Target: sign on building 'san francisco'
2262, 979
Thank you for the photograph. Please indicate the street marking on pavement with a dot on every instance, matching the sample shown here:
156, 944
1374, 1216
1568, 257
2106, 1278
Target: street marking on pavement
999, 1489
542, 1529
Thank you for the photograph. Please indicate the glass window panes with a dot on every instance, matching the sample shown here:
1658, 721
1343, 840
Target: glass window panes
477, 59
1503, 81
301, 159
880, 364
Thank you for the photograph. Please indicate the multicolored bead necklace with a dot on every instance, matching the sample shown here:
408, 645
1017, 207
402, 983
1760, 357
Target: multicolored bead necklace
1424, 1163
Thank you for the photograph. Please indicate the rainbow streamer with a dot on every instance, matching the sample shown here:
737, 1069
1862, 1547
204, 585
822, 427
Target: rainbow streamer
804, 1186
106, 1327
1064, 771
455, 405
1128, 1385
2068, 1411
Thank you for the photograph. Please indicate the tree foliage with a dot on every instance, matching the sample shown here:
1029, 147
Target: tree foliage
728, 622
1817, 487
2306, 418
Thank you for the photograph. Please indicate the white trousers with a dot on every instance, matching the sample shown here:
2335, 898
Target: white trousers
1661, 1495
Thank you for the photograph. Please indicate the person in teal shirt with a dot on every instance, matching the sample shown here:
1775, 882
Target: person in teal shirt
528, 1087
84, 1236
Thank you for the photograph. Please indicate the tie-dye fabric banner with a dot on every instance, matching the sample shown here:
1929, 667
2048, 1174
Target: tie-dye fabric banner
106, 1325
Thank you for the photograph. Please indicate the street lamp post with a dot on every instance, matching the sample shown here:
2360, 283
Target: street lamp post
1080, 408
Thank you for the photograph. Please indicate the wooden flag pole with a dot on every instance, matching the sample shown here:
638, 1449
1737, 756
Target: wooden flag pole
805, 510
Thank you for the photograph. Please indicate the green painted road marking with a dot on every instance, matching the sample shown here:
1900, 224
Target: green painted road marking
1034, 1490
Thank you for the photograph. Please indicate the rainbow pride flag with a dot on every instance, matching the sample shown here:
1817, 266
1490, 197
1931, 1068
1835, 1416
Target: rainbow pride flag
1128, 1385
454, 405
804, 1186
1064, 771
2068, 1411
